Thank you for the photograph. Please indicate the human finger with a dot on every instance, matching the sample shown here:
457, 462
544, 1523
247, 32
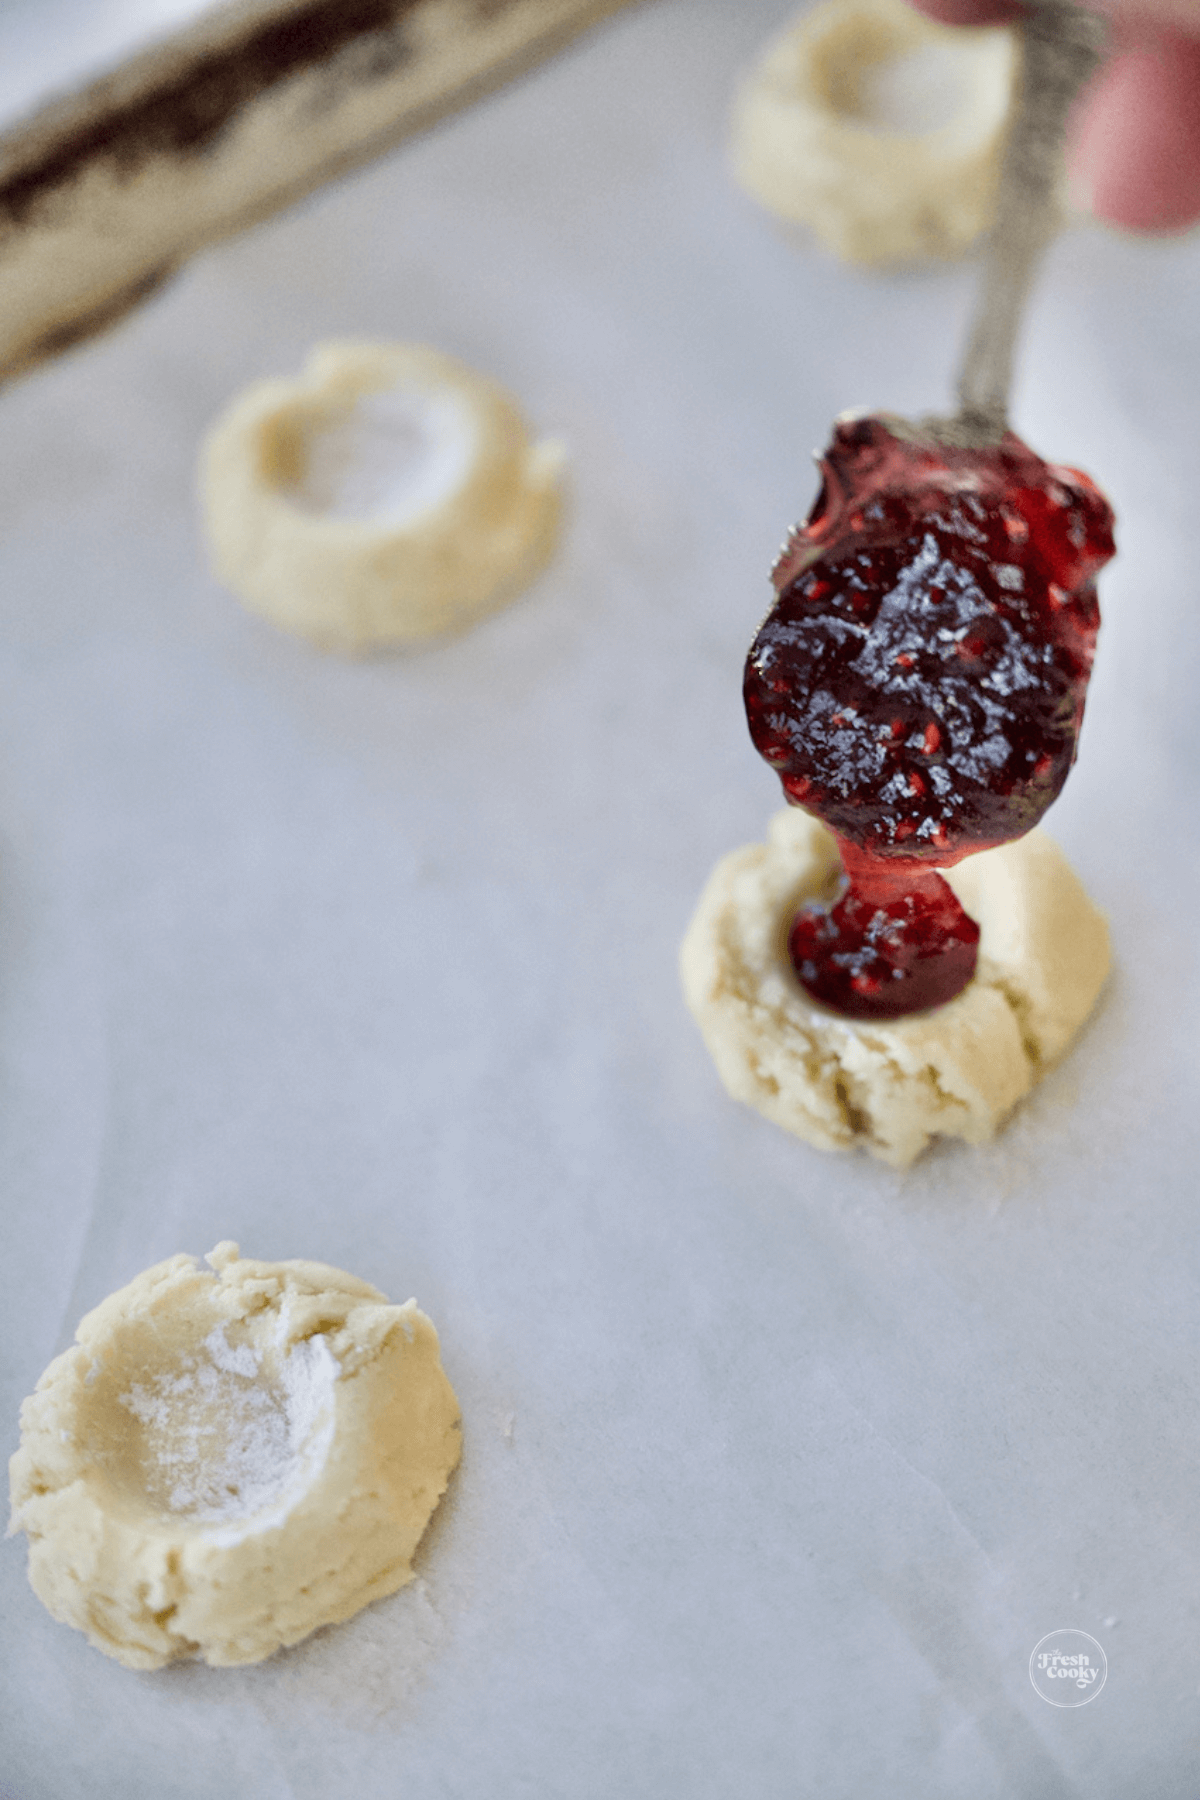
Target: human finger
970, 12
1134, 152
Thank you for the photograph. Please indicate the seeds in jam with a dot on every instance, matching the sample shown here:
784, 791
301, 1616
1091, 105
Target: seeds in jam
919, 685
894, 942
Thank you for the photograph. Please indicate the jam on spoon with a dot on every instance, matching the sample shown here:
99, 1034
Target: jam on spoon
919, 685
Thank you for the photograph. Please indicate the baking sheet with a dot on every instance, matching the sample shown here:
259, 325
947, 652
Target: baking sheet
777, 1465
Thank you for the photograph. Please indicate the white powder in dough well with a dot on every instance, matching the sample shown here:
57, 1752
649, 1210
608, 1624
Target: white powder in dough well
224, 1462
222, 1439
390, 456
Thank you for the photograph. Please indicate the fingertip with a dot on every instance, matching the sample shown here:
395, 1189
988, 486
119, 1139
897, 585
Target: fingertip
1135, 152
969, 12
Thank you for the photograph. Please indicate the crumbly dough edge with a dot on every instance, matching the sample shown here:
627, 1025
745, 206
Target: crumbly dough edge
891, 1087
148, 1596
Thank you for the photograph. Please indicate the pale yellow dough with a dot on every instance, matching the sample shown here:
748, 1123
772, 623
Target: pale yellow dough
387, 495
891, 1086
228, 1458
878, 129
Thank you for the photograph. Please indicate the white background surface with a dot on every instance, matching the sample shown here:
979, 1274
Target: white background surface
777, 1465
48, 47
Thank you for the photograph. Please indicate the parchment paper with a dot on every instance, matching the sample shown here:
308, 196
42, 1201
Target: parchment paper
49, 46
777, 1465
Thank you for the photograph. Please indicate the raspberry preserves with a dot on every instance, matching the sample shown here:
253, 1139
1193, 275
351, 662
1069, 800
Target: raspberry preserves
919, 685
895, 941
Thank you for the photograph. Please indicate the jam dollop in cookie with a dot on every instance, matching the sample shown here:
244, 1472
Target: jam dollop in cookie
919, 685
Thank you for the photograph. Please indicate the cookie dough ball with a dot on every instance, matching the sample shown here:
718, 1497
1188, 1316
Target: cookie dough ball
228, 1458
891, 1086
387, 495
878, 129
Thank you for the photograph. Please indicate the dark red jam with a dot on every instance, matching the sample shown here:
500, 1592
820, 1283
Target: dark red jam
919, 685
895, 941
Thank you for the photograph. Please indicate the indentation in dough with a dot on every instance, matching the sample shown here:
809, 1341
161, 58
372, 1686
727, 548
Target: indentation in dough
915, 92
878, 129
955, 1071
222, 1437
390, 456
227, 1459
388, 494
